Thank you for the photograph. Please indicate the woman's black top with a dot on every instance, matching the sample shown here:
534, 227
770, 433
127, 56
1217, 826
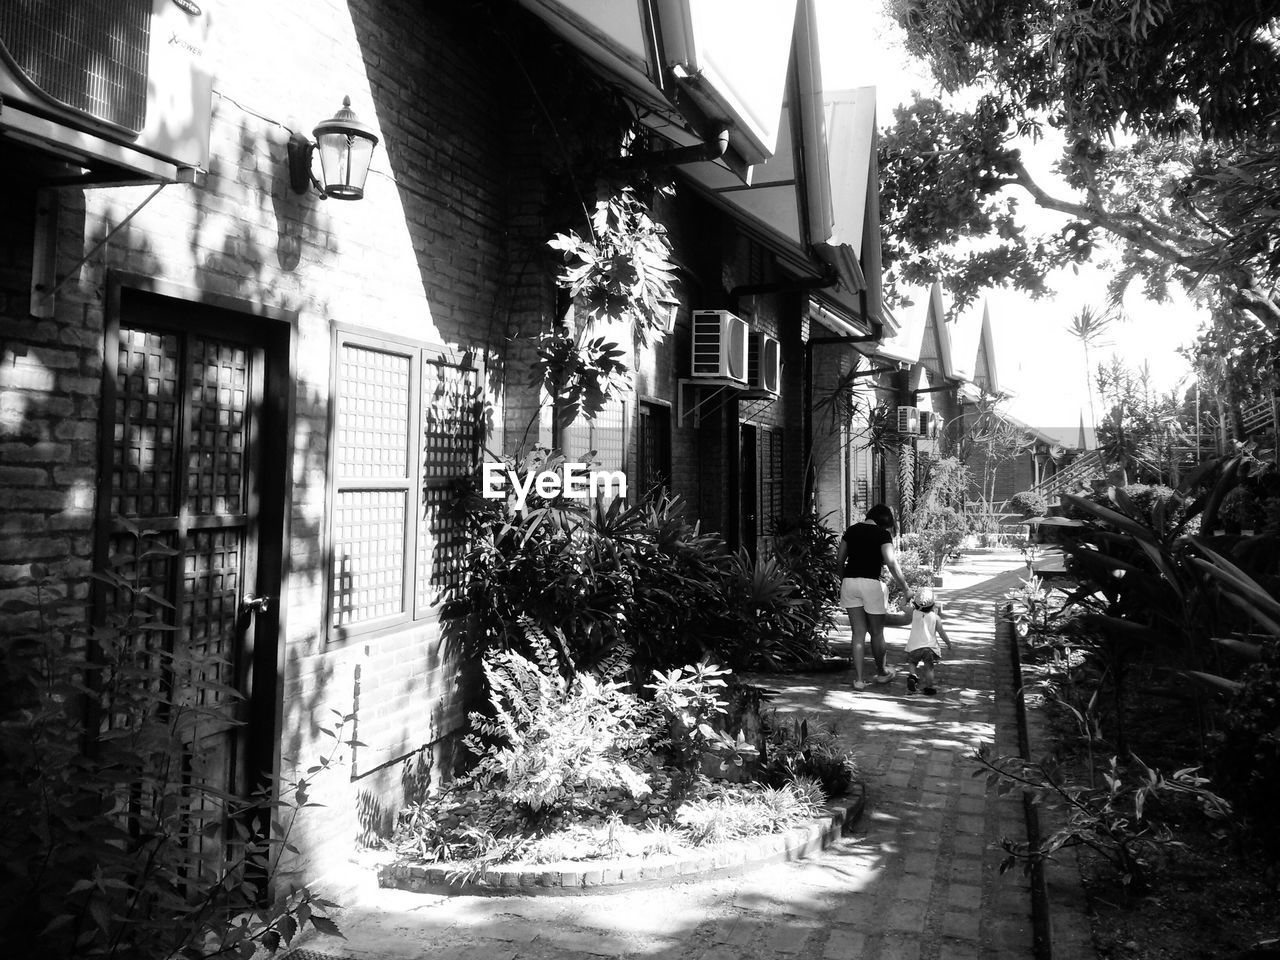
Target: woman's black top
863, 558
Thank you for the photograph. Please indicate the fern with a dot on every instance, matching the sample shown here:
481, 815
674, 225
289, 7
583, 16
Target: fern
554, 742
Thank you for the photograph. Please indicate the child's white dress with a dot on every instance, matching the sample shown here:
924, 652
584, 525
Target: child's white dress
924, 635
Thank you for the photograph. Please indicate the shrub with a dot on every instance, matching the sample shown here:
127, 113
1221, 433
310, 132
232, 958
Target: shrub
738, 812
1123, 820
553, 743
688, 699
941, 530
105, 784
766, 623
643, 576
796, 752
807, 548
1028, 503
1247, 758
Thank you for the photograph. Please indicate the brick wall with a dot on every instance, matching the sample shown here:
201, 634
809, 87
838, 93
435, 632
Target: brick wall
438, 251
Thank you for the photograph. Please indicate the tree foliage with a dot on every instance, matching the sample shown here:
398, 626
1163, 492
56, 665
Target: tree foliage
1166, 112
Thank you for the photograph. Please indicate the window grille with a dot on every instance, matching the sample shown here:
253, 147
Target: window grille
407, 425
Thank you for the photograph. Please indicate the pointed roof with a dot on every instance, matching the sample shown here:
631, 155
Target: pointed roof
918, 323
970, 353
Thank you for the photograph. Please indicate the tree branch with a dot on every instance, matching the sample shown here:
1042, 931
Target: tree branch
1144, 235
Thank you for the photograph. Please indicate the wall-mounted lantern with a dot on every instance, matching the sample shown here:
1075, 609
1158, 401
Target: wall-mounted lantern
345, 146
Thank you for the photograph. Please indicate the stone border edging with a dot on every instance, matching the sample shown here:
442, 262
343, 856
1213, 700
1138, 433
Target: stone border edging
1041, 920
586, 877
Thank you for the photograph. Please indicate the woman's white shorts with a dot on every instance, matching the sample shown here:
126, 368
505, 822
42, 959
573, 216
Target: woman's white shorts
872, 595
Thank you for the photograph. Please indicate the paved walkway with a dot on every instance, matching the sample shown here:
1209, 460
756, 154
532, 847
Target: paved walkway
915, 880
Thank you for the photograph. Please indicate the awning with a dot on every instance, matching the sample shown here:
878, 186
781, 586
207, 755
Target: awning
692, 66
800, 175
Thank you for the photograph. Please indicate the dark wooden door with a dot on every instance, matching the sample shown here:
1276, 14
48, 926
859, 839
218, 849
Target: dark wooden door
749, 491
184, 453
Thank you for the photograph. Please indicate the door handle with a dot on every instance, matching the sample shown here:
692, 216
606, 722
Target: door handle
252, 604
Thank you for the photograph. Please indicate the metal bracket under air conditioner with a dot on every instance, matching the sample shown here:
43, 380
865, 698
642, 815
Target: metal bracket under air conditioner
44, 259
718, 388
757, 402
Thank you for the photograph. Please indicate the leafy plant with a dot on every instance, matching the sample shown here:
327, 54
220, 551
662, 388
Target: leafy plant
941, 531
1029, 608
553, 743
768, 624
118, 841
624, 269
806, 548
796, 752
689, 701
1246, 756
1121, 820
741, 813
1028, 503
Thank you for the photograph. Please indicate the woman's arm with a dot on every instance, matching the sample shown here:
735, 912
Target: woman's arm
890, 558
841, 553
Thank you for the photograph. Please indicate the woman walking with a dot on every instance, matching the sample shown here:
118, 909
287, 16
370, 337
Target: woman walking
865, 550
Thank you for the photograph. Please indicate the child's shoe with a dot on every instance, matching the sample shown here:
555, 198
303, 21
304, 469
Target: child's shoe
912, 682
859, 685
930, 691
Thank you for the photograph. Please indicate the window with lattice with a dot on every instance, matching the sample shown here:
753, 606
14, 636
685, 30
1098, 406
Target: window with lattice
600, 441
653, 449
406, 425
771, 468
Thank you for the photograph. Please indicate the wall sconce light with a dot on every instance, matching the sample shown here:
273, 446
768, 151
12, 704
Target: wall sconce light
345, 146
668, 310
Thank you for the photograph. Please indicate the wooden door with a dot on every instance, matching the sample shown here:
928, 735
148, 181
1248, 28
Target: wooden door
185, 452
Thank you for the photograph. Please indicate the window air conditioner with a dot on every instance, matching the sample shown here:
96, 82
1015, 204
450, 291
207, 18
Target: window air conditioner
105, 81
719, 346
908, 420
764, 363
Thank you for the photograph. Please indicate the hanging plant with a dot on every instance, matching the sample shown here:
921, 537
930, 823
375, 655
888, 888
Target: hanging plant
623, 271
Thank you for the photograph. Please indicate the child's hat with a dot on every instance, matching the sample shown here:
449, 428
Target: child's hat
924, 596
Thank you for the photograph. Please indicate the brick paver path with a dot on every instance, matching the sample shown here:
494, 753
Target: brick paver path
915, 880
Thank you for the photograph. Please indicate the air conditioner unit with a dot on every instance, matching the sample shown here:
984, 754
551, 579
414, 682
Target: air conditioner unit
907, 420
719, 346
127, 84
928, 425
764, 363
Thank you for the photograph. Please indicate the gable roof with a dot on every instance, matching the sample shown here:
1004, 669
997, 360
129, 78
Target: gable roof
970, 352
917, 322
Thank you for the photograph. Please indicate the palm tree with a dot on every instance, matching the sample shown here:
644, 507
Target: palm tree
1090, 326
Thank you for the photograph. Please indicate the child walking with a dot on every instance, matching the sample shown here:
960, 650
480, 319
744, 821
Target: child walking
922, 644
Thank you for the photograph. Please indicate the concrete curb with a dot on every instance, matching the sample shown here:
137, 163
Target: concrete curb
583, 878
1059, 908
1041, 916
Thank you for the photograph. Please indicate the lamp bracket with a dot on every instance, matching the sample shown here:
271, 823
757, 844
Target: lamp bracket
300, 151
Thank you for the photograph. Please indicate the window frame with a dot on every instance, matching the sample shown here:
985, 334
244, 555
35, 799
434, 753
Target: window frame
419, 354
657, 411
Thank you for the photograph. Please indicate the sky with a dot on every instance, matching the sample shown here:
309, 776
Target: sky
1036, 359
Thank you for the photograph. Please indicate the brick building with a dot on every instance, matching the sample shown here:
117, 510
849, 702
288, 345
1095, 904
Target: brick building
282, 389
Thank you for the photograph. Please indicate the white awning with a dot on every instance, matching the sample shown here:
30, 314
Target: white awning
691, 65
